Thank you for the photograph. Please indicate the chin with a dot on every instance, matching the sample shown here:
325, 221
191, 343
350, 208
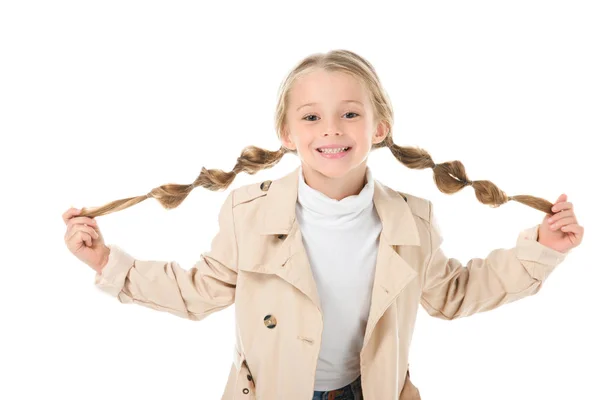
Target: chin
333, 172
331, 168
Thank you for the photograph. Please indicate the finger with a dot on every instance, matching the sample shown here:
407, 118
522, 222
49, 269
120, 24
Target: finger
562, 206
559, 205
72, 233
87, 239
81, 221
79, 237
70, 213
72, 228
561, 198
575, 228
81, 228
94, 232
560, 214
562, 222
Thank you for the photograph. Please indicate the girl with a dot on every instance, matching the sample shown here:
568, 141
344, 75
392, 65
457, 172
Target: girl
326, 265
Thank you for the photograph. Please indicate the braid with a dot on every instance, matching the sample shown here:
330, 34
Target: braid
251, 160
450, 177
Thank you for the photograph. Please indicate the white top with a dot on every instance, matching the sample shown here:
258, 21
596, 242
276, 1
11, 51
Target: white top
341, 240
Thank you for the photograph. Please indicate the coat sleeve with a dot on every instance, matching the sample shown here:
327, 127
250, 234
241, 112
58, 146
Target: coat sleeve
452, 290
193, 294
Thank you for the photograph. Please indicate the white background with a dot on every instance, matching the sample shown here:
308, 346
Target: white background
106, 100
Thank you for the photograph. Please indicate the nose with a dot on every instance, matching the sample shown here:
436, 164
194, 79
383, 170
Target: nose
332, 129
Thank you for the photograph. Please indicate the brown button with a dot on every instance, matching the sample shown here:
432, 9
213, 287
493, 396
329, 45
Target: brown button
245, 390
265, 186
270, 321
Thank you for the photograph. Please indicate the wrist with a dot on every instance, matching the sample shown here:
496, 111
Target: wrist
104, 259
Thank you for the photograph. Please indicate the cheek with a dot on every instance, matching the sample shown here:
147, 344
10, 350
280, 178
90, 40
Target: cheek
305, 136
362, 135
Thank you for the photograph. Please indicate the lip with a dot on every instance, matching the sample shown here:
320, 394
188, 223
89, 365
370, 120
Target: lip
332, 146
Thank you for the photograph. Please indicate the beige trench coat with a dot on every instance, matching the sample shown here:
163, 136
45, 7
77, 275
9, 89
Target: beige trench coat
257, 260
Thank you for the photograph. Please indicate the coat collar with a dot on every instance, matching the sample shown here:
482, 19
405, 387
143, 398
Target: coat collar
398, 224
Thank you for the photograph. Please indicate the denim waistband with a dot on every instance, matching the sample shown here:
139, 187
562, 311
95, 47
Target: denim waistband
352, 391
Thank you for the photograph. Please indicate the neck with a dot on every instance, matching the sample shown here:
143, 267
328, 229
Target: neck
339, 187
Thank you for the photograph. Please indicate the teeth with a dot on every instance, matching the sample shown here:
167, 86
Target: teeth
333, 151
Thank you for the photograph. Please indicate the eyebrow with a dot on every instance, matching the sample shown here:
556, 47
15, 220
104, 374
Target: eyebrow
343, 101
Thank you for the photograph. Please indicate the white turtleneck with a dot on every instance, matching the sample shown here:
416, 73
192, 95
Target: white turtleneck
341, 240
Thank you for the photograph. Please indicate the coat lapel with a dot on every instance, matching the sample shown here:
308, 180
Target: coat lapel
290, 260
278, 217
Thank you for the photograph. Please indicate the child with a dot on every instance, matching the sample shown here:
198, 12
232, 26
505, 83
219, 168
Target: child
326, 265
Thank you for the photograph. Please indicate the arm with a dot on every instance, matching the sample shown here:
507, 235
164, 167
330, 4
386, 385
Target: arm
207, 287
452, 290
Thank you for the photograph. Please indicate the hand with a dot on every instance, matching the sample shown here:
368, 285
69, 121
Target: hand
84, 240
561, 231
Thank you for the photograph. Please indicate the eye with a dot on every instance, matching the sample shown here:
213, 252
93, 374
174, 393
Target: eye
312, 115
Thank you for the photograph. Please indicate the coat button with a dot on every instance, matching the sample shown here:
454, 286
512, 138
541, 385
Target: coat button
245, 390
265, 186
270, 321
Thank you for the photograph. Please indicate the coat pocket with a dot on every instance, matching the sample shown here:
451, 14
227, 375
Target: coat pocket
409, 391
245, 388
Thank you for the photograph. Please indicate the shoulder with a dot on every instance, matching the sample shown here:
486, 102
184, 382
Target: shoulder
248, 193
419, 206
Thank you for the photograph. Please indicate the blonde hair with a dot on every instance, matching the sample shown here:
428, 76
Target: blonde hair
450, 176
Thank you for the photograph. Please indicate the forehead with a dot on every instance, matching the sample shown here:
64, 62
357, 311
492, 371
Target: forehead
321, 85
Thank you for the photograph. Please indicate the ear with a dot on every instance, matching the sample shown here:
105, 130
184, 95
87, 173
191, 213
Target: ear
286, 141
381, 132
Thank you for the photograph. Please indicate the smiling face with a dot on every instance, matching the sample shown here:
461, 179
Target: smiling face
331, 109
